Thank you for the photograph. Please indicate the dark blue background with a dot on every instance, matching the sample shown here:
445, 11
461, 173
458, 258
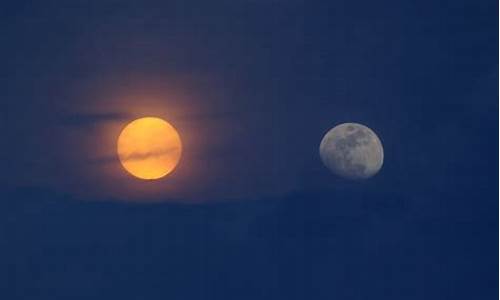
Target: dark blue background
424, 74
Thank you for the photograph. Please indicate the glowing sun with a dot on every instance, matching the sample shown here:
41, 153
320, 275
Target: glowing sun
149, 148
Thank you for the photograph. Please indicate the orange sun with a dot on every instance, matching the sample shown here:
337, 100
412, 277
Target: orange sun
149, 148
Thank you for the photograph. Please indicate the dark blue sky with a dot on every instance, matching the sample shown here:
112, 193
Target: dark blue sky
252, 87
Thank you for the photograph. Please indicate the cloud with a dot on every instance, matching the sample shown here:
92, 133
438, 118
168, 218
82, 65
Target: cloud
135, 156
145, 155
87, 120
91, 119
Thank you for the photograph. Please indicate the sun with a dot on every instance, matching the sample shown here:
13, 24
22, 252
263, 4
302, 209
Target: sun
149, 148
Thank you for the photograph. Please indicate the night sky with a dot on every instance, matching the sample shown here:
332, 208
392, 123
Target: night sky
250, 211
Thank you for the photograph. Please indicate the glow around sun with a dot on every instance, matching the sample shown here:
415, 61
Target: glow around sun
149, 148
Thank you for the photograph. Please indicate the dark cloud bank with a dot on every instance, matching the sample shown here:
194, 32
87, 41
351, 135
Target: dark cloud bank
307, 245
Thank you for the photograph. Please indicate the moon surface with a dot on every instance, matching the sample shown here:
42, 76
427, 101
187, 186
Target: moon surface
352, 151
149, 148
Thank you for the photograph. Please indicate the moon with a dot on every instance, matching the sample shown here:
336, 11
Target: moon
352, 151
149, 148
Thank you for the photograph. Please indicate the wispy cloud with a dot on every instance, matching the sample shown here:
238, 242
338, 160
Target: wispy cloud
135, 156
145, 155
91, 119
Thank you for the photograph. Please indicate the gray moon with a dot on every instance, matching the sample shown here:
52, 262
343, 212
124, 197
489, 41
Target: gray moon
352, 151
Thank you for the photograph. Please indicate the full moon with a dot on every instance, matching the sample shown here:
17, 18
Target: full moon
352, 151
149, 148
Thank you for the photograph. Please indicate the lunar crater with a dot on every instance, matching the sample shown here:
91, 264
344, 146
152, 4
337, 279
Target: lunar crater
352, 151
